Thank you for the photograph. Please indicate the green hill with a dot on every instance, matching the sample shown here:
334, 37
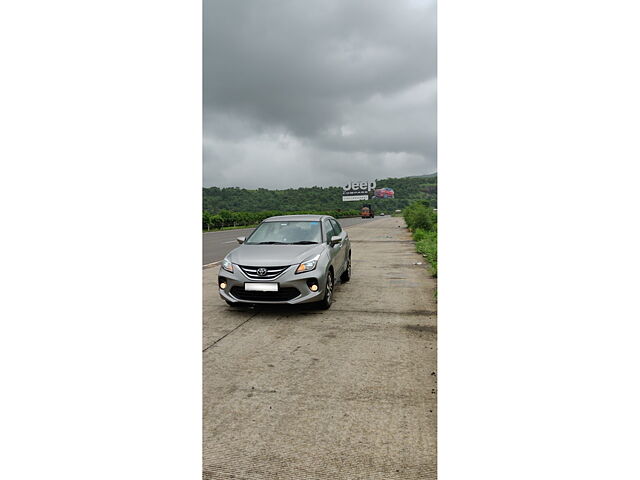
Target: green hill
407, 190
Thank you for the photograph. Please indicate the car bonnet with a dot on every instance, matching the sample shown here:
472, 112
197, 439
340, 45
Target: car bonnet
273, 255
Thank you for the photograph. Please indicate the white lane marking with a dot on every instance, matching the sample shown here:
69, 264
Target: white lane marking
211, 264
232, 241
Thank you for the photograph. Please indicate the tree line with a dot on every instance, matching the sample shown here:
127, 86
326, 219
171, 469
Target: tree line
234, 199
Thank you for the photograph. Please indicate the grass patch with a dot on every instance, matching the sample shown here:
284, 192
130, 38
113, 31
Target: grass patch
422, 221
427, 245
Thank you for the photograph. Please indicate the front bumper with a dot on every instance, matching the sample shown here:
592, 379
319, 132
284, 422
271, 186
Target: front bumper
287, 281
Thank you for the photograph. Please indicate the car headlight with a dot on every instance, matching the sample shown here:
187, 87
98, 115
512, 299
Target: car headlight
308, 265
227, 265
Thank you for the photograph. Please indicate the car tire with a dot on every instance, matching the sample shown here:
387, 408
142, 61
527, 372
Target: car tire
325, 303
346, 275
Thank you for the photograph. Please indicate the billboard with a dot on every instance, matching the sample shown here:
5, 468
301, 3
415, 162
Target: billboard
384, 193
357, 191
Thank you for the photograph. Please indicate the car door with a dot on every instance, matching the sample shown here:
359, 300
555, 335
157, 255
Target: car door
341, 257
334, 251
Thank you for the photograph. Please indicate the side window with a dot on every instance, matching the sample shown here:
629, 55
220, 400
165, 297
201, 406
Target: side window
328, 230
337, 229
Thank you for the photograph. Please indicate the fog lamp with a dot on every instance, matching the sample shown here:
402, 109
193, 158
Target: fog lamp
313, 288
223, 285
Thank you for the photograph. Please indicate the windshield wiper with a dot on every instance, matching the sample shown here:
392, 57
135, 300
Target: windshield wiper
304, 242
272, 243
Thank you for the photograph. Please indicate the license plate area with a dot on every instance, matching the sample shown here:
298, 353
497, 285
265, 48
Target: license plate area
261, 287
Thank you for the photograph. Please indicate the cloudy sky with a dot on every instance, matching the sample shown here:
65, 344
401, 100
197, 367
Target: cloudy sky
318, 92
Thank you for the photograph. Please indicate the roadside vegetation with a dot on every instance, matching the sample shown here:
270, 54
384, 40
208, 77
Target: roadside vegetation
233, 207
422, 221
226, 219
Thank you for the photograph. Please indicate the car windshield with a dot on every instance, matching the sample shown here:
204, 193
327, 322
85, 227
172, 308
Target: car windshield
285, 233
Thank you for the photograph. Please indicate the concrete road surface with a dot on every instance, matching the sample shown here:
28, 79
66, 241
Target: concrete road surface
347, 393
215, 245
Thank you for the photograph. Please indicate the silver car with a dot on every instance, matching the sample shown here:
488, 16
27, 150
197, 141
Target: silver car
290, 259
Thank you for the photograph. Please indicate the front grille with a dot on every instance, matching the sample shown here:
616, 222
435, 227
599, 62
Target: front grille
269, 272
282, 295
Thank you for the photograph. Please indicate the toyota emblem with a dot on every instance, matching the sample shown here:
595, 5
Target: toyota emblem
262, 272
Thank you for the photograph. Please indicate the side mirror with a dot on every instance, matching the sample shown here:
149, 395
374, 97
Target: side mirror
336, 239
241, 239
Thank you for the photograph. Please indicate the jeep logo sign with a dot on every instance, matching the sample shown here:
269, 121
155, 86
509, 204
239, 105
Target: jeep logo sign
355, 191
366, 185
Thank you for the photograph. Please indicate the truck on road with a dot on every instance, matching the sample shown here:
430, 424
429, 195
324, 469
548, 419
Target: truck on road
367, 211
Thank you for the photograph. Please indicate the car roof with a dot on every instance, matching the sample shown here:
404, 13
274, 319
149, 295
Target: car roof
298, 218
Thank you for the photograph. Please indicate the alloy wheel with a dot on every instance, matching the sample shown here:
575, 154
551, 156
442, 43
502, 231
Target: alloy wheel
329, 287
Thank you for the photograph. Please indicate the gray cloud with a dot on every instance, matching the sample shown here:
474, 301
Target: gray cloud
343, 84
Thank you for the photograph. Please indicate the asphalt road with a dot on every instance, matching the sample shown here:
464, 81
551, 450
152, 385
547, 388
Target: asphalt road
215, 245
347, 393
